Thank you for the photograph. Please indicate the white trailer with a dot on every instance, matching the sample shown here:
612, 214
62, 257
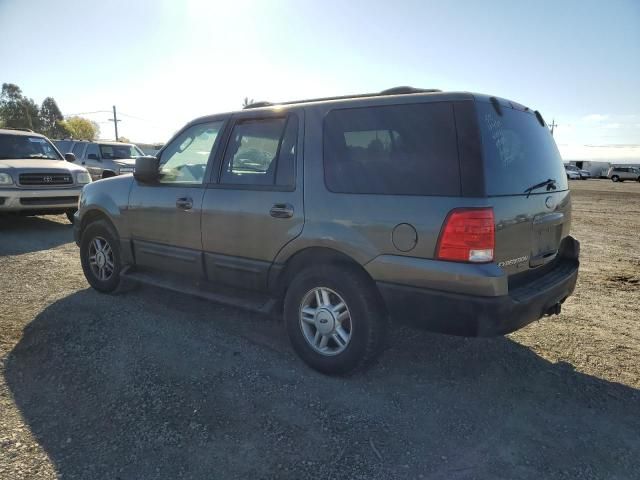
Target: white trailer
596, 169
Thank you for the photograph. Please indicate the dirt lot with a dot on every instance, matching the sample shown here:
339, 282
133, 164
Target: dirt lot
150, 384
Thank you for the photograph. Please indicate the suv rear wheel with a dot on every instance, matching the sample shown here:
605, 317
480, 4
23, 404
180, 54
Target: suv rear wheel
334, 318
615, 178
100, 256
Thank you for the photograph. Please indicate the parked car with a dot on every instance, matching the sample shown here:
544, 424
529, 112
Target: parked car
106, 159
581, 174
620, 174
571, 174
34, 178
345, 212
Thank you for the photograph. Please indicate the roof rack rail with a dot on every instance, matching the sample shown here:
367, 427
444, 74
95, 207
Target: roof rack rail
20, 129
258, 105
404, 90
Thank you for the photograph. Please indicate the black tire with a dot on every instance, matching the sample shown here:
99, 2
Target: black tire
70, 216
103, 230
615, 178
368, 317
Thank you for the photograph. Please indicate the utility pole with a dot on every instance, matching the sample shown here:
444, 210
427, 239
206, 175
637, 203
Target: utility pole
115, 122
553, 124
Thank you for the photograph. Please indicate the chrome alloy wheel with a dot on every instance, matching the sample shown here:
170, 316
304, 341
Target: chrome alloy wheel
325, 321
101, 259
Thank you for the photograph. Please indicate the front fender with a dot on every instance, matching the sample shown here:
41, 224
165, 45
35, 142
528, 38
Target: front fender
111, 198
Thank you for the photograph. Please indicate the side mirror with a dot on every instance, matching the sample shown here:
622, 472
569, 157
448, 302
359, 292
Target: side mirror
92, 156
147, 169
70, 157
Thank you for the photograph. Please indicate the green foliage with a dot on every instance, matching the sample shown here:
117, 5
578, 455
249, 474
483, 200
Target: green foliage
81, 128
18, 111
51, 120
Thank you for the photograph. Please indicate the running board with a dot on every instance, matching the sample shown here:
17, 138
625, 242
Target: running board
245, 299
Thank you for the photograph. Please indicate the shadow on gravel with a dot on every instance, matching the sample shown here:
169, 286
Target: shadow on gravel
31, 234
150, 384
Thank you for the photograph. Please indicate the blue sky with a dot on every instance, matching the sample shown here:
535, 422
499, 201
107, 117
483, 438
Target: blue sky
165, 62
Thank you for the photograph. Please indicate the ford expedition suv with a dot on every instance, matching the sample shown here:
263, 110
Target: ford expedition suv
34, 178
450, 211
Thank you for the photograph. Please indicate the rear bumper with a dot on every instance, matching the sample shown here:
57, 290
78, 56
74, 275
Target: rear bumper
25, 200
471, 315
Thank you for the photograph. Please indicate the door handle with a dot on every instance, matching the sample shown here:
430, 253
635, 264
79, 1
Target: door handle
281, 210
184, 203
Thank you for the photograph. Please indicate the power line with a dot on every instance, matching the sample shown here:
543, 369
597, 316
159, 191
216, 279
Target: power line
85, 113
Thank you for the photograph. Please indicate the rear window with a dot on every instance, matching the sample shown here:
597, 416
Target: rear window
392, 150
64, 145
518, 152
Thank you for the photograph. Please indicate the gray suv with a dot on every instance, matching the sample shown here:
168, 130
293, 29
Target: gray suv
106, 159
620, 174
450, 211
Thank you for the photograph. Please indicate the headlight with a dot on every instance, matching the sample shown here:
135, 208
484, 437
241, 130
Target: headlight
5, 179
83, 178
126, 170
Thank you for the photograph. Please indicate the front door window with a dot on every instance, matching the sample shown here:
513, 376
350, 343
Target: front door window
185, 160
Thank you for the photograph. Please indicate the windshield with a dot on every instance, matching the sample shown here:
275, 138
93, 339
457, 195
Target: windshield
25, 147
518, 151
120, 151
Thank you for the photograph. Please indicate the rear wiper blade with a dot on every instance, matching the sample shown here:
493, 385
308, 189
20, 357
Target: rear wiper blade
550, 183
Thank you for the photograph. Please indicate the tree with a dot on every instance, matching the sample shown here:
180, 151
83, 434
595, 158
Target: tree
51, 119
81, 128
16, 110
124, 139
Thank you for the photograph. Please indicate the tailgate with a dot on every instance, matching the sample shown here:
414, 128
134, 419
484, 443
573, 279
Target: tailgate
529, 230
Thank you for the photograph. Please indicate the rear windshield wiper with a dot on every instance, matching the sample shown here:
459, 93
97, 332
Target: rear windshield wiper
550, 183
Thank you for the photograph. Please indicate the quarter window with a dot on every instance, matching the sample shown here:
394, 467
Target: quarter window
185, 159
393, 150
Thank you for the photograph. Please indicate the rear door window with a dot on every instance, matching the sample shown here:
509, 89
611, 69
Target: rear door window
92, 149
518, 151
261, 152
392, 150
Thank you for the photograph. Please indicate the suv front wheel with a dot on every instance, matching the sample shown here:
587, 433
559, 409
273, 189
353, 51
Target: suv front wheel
615, 178
334, 318
100, 256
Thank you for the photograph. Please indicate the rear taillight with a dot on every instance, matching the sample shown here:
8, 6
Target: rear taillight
468, 235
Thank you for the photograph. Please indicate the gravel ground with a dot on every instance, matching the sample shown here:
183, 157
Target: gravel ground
150, 384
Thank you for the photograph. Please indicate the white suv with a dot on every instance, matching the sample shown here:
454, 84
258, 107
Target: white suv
34, 177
